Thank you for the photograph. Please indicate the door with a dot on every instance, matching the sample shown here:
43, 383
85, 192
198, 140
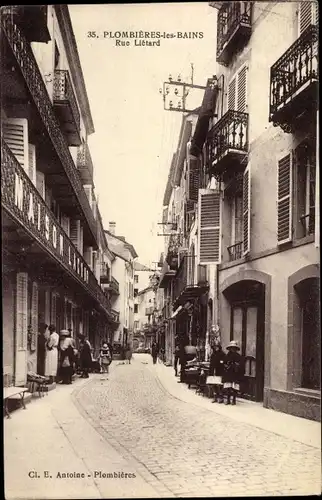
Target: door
247, 327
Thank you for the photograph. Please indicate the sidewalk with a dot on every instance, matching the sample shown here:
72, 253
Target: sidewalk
51, 435
296, 428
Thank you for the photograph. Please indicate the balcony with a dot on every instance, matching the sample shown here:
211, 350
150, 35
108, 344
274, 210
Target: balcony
149, 311
110, 284
234, 29
32, 20
229, 142
235, 251
115, 318
293, 82
66, 108
172, 258
85, 164
28, 66
22, 202
184, 289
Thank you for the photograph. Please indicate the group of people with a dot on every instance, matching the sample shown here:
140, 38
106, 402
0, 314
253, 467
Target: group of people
226, 370
58, 358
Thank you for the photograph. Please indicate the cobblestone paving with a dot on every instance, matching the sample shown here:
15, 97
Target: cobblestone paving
189, 451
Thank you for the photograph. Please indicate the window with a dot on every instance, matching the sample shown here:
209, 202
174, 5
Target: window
136, 308
136, 291
136, 278
237, 91
136, 323
305, 165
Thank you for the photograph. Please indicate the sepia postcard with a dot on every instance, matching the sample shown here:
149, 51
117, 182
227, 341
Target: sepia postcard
160, 250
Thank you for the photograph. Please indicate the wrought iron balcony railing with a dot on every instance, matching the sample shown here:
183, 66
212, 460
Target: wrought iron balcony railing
235, 251
115, 286
67, 108
149, 311
234, 26
115, 316
293, 73
228, 137
85, 164
33, 19
25, 205
26, 60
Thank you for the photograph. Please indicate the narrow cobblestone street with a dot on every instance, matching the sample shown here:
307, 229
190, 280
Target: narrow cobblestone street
183, 450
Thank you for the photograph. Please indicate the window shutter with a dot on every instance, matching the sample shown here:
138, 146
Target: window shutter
209, 228
21, 330
246, 210
284, 199
75, 232
89, 192
65, 222
242, 90
15, 133
81, 240
32, 163
34, 316
308, 14
40, 184
193, 179
232, 94
53, 309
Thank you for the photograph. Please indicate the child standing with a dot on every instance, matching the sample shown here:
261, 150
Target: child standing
216, 369
233, 372
105, 358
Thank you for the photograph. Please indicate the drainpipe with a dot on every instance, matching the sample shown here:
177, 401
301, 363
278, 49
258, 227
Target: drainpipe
317, 184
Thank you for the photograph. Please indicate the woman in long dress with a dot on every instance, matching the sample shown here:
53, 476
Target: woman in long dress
51, 361
66, 347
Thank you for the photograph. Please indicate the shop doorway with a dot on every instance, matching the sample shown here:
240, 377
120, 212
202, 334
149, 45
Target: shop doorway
247, 326
308, 294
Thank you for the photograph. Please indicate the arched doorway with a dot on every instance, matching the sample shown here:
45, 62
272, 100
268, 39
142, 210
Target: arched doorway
247, 326
307, 297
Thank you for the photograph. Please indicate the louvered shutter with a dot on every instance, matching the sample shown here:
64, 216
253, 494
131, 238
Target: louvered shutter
21, 330
308, 14
40, 184
81, 240
32, 163
89, 193
242, 90
53, 309
34, 316
65, 222
75, 232
246, 210
232, 94
209, 227
284, 199
15, 133
193, 179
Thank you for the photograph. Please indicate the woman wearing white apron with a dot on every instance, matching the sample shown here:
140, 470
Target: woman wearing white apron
51, 362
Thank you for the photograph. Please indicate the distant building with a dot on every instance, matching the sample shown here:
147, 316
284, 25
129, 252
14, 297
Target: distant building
123, 273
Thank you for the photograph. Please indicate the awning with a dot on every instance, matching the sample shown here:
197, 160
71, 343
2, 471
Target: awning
190, 293
176, 312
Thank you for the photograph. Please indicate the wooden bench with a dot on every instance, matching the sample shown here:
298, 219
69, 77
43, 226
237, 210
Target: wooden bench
13, 393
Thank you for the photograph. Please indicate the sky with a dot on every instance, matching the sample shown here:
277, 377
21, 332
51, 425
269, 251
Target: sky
135, 137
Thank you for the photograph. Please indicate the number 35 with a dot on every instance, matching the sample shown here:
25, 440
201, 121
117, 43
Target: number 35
92, 34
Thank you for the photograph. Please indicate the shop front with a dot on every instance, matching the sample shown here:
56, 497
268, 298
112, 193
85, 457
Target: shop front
45, 279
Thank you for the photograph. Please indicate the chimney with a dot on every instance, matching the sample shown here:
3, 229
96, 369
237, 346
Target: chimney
111, 227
